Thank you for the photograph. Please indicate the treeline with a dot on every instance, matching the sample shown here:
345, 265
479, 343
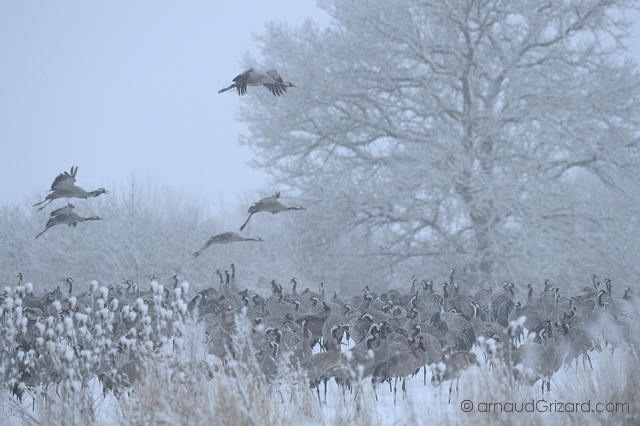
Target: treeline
149, 230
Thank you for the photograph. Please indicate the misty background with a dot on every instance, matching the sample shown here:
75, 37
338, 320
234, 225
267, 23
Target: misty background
529, 172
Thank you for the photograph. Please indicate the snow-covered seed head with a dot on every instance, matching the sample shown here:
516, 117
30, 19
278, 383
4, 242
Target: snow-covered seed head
124, 344
68, 323
103, 313
520, 321
86, 355
8, 303
40, 327
81, 318
185, 287
491, 346
516, 326
519, 368
49, 334
104, 292
143, 307
93, 287
28, 288
113, 304
182, 307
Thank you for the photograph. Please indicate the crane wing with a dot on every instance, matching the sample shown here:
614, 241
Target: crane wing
276, 89
241, 82
267, 204
274, 75
63, 210
64, 180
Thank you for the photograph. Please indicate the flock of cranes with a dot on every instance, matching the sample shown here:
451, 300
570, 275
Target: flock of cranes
64, 187
387, 337
394, 335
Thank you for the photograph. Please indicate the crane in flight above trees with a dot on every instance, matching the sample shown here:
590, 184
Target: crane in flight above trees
65, 216
269, 204
271, 80
64, 187
224, 238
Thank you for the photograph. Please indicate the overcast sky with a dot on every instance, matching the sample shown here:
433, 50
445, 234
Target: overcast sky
123, 87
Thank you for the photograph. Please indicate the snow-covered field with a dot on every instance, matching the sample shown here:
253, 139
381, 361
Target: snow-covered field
159, 362
244, 397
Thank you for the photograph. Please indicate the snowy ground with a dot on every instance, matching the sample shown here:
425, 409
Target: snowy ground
608, 382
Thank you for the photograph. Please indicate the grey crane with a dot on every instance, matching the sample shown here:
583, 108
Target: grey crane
270, 204
352, 365
303, 350
270, 79
224, 238
539, 358
318, 364
433, 348
399, 366
67, 217
64, 186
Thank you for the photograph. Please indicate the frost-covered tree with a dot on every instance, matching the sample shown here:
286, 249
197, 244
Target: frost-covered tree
430, 135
